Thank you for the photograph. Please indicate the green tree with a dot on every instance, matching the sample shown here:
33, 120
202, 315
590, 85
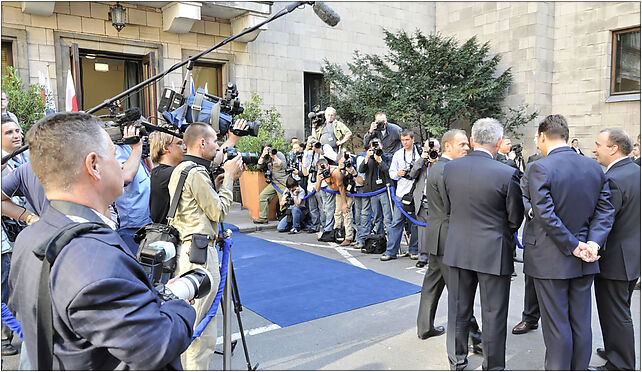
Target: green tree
271, 129
25, 102
422, 82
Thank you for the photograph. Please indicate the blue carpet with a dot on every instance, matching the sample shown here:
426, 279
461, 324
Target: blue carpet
288, 286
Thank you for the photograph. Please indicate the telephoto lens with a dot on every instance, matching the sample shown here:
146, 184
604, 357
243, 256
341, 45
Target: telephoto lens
193, 284
378, 152
317, 145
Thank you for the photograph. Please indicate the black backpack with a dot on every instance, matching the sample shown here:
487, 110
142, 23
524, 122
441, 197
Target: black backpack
375, 244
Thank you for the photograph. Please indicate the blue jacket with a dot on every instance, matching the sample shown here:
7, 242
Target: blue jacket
569, 195
106, 316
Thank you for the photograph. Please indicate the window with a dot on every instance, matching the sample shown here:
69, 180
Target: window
625, 67
210, 73
313, 87
7, 56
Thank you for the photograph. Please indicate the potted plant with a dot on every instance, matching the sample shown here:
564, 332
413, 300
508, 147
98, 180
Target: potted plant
252, 181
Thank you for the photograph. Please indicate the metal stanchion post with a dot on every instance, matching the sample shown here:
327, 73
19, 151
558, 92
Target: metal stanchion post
227, 318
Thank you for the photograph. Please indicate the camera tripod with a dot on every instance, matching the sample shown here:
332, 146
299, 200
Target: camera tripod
231, 288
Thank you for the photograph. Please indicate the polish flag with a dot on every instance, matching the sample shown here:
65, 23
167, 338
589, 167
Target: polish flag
71, 104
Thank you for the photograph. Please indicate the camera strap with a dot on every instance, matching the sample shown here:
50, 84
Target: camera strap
197, 105
44, 313
178, 192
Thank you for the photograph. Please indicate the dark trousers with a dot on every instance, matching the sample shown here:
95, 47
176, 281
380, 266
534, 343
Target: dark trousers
422, 216
531, 306
565, 306
613, 299
494, 292
435, 280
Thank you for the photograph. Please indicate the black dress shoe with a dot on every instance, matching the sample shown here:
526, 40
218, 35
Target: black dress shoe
601, 353
523, 327
437, 331
260, 221
420, 264
8, 349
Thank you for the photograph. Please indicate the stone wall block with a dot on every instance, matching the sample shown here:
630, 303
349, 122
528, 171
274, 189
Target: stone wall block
149, 33
79, 8
154, 19
98, 10
93, 26
136, 17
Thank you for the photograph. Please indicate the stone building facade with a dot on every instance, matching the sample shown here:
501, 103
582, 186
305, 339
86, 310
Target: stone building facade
560, 52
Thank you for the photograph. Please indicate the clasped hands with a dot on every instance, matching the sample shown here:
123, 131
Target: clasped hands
587, 251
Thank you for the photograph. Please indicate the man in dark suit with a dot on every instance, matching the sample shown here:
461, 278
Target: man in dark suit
485, 206
503, 154
419, 173
620, 261
575, 146
434, 239
105, 312
530, 314
572, 217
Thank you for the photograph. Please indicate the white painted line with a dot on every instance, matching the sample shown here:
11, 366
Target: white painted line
328, 245
349, 257
251, 332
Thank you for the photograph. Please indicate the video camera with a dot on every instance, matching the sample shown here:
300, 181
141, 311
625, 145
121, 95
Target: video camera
317, 116
207, 108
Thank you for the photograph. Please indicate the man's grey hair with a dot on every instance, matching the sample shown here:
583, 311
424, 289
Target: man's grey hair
58, 145
487, 131
330, 109
617, 136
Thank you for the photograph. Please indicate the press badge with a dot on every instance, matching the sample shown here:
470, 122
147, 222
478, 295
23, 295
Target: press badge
379, 181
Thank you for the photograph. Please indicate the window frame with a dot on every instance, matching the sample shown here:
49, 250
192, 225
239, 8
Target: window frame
614, 34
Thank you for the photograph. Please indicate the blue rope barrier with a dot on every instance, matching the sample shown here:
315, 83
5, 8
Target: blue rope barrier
277, 188
11, 321
309, 195
519, 245
358, 195
227, 244
394, 199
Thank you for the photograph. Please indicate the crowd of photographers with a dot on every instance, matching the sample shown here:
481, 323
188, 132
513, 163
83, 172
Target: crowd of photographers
180, 187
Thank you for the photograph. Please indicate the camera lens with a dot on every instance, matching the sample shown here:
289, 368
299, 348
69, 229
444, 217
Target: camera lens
193, 284
317, 145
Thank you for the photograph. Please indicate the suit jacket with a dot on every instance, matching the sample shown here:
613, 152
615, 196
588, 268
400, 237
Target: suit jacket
620, 256
637, 161
418, 173
570, 198
534, 157
106, 314
485, 210
577, 150
437, 229
506, 160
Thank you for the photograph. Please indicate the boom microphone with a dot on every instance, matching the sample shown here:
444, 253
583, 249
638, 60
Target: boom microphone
327, 15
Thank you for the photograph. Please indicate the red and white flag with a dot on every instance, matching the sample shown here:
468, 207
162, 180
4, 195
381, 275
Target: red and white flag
71, 103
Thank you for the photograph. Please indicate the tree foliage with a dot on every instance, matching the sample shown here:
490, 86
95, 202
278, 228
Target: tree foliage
425, 82
271, 129
25, 102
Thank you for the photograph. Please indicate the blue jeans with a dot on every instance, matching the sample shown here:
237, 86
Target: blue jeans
395, 231
380, 205
6, 266
362, 218
296, 220
316, 212
328, 206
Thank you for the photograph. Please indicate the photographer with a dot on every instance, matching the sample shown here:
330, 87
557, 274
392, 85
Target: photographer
505, 155
376, 178
344, 182
399, 171
273, 163
420, 170
105, 313
133, 205
389, 135
199, 210
323, 205
293, 201
167, 152
332, 132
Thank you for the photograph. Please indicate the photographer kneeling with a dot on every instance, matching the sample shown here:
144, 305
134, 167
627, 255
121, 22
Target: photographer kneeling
105, 314
199, 210
296, 213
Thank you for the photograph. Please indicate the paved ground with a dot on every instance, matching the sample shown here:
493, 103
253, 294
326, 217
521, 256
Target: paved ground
377, 337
